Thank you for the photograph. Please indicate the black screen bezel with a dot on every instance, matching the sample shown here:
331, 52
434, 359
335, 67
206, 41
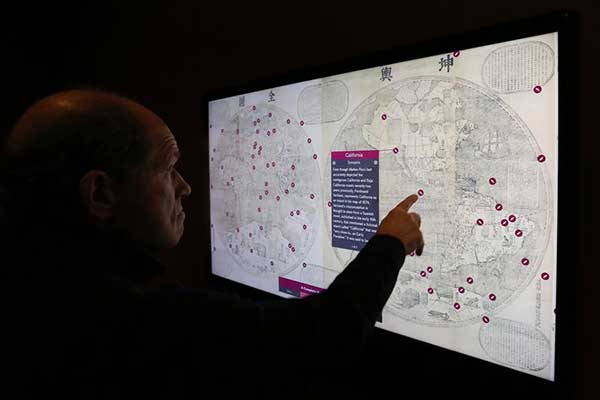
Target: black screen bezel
567, 26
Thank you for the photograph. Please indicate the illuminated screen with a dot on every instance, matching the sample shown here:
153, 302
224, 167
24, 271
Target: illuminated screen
302, 174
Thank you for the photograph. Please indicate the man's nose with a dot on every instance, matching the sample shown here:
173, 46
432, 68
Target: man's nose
186, 189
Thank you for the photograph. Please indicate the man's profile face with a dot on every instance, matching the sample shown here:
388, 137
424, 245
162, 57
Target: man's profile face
149, 203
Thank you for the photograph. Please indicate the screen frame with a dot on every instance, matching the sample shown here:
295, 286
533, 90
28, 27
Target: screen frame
568, 227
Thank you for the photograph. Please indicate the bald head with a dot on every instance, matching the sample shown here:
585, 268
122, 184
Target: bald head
102, 158
78, 129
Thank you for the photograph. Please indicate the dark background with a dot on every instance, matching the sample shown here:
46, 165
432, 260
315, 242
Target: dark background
168, 55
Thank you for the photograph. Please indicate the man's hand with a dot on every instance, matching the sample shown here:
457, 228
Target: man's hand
405, 226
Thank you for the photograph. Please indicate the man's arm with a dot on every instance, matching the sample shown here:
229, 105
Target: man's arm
327, 329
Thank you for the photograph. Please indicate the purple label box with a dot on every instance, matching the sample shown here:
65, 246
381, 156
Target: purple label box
355, 198
297, 289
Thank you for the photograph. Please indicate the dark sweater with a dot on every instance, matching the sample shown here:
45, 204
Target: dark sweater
86, 327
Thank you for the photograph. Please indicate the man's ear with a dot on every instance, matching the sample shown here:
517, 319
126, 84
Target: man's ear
97, 193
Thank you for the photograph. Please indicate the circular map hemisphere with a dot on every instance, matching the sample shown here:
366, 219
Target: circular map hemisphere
448, 138
266, 185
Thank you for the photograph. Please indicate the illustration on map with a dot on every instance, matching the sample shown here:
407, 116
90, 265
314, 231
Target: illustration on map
301, 175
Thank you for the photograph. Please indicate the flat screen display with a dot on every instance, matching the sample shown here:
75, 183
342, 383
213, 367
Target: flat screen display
302, 174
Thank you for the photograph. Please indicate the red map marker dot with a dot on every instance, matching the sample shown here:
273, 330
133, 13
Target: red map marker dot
266, 192
258, 120
293, 184
254, 123
304, 264
267, 165
412, 254
260, 196
545, 276
291, 213
479, 221
329, 204
461, 290
541, 158
315, 156
270, 115
304, 227
429, 269
312, 196
423, 274
293, 249
254, 167
261, 227
492, 297
485, 319
297, 212
504, 222
274, 130
289, 245
420, 192
537, 89
457, 306
277, 197
301, 123
273, 164
293, 167
258, 209
456, 53
288, 121
519, 233
309, 140
430, 291
512, 218
383, 117
524, 261
253, 108
470, 280
268, 133
499, 207
286, 191
395, 150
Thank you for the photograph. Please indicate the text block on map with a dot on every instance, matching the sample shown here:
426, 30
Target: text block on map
355, 197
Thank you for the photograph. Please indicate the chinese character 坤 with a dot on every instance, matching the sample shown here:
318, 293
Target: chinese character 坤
446, 63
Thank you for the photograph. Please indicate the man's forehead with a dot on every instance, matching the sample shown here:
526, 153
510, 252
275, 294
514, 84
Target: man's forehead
166, 149
169, 145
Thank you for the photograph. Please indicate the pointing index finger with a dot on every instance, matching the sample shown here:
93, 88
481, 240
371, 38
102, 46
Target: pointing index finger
408, 202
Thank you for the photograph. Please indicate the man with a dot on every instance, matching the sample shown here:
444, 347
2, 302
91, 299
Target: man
91, 196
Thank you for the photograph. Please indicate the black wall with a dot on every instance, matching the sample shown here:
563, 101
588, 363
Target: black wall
169, 54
